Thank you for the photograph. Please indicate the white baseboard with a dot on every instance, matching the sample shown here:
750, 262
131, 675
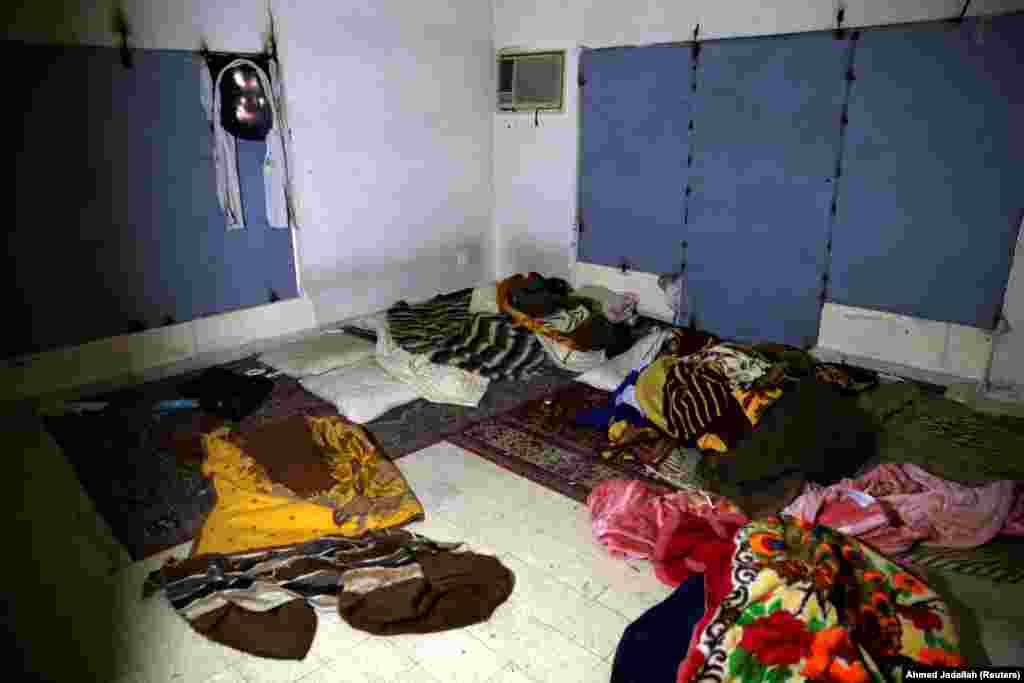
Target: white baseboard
935, 348
156, 352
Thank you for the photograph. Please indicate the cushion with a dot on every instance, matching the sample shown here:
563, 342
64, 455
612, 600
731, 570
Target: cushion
608, 376
485, 299
361, 392
319, 354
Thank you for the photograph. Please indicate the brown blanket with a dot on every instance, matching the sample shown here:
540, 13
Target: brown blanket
385, 582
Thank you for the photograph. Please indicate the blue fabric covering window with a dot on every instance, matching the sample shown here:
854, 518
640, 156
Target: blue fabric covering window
116, 217
931, 194
635, 109
766, 141
925, 174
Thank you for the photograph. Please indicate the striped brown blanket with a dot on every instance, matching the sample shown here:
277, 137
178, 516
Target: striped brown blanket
389, 582
445, 329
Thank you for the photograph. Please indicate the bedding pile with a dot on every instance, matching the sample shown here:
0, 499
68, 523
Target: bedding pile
792, 601
529, 321
783, 600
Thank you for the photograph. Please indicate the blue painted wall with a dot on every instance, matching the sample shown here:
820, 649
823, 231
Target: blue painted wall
116, 218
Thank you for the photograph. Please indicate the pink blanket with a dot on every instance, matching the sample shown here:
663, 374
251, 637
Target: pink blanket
894, 506
677, 531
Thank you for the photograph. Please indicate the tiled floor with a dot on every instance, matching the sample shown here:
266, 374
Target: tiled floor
568, 610
562, 623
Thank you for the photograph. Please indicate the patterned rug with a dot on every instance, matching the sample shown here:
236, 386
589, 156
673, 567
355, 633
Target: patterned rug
539, 441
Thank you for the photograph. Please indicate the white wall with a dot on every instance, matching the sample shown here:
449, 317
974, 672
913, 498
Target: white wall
535, 168
391, 112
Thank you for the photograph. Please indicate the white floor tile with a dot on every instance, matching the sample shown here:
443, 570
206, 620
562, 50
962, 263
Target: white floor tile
229, 676
510, 673
453, 656
262, 670
590, 624
536, 650
375, 658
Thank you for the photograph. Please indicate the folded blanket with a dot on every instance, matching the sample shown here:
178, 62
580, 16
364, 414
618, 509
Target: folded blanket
298, 478
677, 530
266, 602
892, 507
447, 333
793, 602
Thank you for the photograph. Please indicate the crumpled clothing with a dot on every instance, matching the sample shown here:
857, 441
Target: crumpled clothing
565, 320
741, 368
893, 507
677, 531
616, 307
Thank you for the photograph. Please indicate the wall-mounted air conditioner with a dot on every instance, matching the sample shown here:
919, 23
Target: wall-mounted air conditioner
531, 81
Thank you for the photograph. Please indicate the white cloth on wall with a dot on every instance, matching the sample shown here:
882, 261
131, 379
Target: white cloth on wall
225, 150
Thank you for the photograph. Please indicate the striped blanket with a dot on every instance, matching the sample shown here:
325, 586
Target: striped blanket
446, 330
266, 602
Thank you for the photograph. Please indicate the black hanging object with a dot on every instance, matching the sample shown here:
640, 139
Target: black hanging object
840, 32
244, 107
963, 12
536, 118
122, 30
624, 266
274, 298
245, 110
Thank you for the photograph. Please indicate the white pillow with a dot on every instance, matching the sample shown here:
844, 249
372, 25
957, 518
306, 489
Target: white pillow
609, 376
319, 354
361, 392
485, 299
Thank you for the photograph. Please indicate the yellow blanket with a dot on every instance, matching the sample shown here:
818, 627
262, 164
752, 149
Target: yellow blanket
254, 512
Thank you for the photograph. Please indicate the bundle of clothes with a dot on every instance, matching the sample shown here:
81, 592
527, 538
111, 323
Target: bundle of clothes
769, 417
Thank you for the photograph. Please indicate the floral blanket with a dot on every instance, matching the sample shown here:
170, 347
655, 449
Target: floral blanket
801, 602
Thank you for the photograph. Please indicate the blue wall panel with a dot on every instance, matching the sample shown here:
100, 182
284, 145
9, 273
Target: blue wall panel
635, 108
116, 217
766, 141
931, 195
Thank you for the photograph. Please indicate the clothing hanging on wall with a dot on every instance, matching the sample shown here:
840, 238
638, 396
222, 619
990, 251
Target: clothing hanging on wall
225, 151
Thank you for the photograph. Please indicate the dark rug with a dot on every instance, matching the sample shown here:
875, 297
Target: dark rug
539, 441
142, 469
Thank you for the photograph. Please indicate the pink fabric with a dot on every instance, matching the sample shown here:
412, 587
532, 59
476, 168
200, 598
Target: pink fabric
911, 505
679, 531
